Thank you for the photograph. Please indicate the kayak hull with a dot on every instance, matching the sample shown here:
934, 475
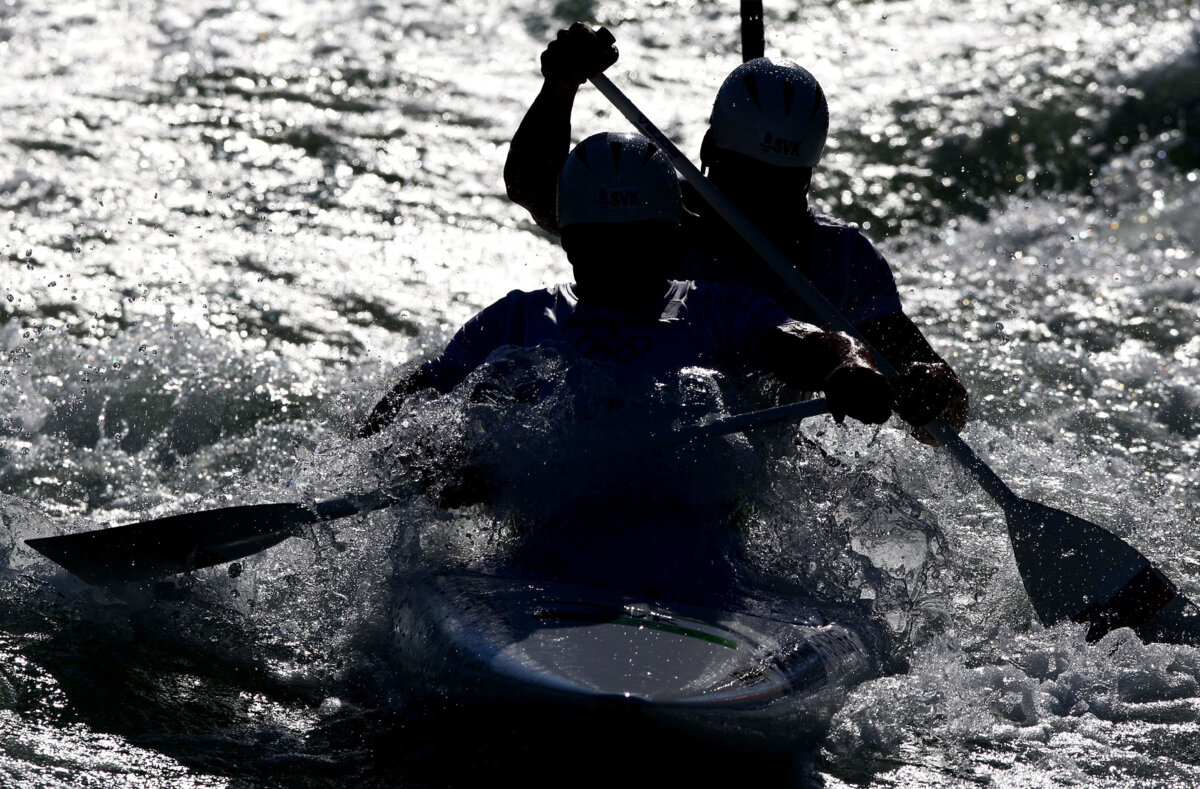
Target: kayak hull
734, 668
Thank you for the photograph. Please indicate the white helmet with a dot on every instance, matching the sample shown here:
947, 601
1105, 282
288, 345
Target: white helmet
613, 177
773, 111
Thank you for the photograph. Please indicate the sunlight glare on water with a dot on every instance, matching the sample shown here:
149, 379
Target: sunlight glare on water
226, 226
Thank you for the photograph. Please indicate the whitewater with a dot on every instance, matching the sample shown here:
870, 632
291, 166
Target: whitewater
227, 227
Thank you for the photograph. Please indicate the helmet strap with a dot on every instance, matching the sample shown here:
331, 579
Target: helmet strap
707, 152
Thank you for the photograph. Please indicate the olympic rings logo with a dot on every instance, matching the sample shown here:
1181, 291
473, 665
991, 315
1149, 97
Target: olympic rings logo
614, 347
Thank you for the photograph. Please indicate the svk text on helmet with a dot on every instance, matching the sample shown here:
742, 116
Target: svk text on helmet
619, 198
781, 146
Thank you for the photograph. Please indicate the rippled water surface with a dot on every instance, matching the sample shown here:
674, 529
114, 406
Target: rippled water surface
227, 225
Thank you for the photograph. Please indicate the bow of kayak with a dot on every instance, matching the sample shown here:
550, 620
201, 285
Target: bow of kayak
722, 664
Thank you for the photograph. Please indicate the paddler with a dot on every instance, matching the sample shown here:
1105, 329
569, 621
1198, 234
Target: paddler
766, 134
620, 213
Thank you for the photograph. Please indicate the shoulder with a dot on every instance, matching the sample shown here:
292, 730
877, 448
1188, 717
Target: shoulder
512, 309
847, 236
836, 226
830, 222
550, 295
538, 294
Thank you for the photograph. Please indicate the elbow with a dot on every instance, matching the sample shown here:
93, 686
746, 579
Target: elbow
513, 187
543, 215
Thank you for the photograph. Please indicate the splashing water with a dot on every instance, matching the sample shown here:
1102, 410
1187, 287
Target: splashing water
227, 225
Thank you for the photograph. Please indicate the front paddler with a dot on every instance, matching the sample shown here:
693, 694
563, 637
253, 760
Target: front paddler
620, 212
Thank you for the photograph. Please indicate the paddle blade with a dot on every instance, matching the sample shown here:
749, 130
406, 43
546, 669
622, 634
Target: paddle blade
1177, 623
175, 544
1074, 569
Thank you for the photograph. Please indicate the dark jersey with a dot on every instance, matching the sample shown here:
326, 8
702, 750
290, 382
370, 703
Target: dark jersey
701, 325
833, 255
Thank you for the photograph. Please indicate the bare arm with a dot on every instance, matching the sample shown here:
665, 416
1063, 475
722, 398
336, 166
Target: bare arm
540, 145
387, 408
808, 358
537, 152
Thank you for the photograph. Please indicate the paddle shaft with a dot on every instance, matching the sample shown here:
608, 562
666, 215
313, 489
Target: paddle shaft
753, 45
191, 541
779, 263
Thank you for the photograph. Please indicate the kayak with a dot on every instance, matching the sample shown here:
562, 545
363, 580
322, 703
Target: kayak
753, 668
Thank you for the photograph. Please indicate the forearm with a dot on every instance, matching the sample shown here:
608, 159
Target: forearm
386, 409
899, 341
807, 358
803, 356
538, 150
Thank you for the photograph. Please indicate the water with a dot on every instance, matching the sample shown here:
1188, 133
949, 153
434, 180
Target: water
226, 226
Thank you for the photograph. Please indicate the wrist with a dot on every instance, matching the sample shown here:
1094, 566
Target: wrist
559, 88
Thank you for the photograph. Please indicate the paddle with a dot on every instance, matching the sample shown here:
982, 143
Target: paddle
753, 45
191, 541
1071, 568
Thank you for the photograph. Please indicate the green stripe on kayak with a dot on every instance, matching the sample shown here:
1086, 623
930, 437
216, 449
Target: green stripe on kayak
633, 621
634, 610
